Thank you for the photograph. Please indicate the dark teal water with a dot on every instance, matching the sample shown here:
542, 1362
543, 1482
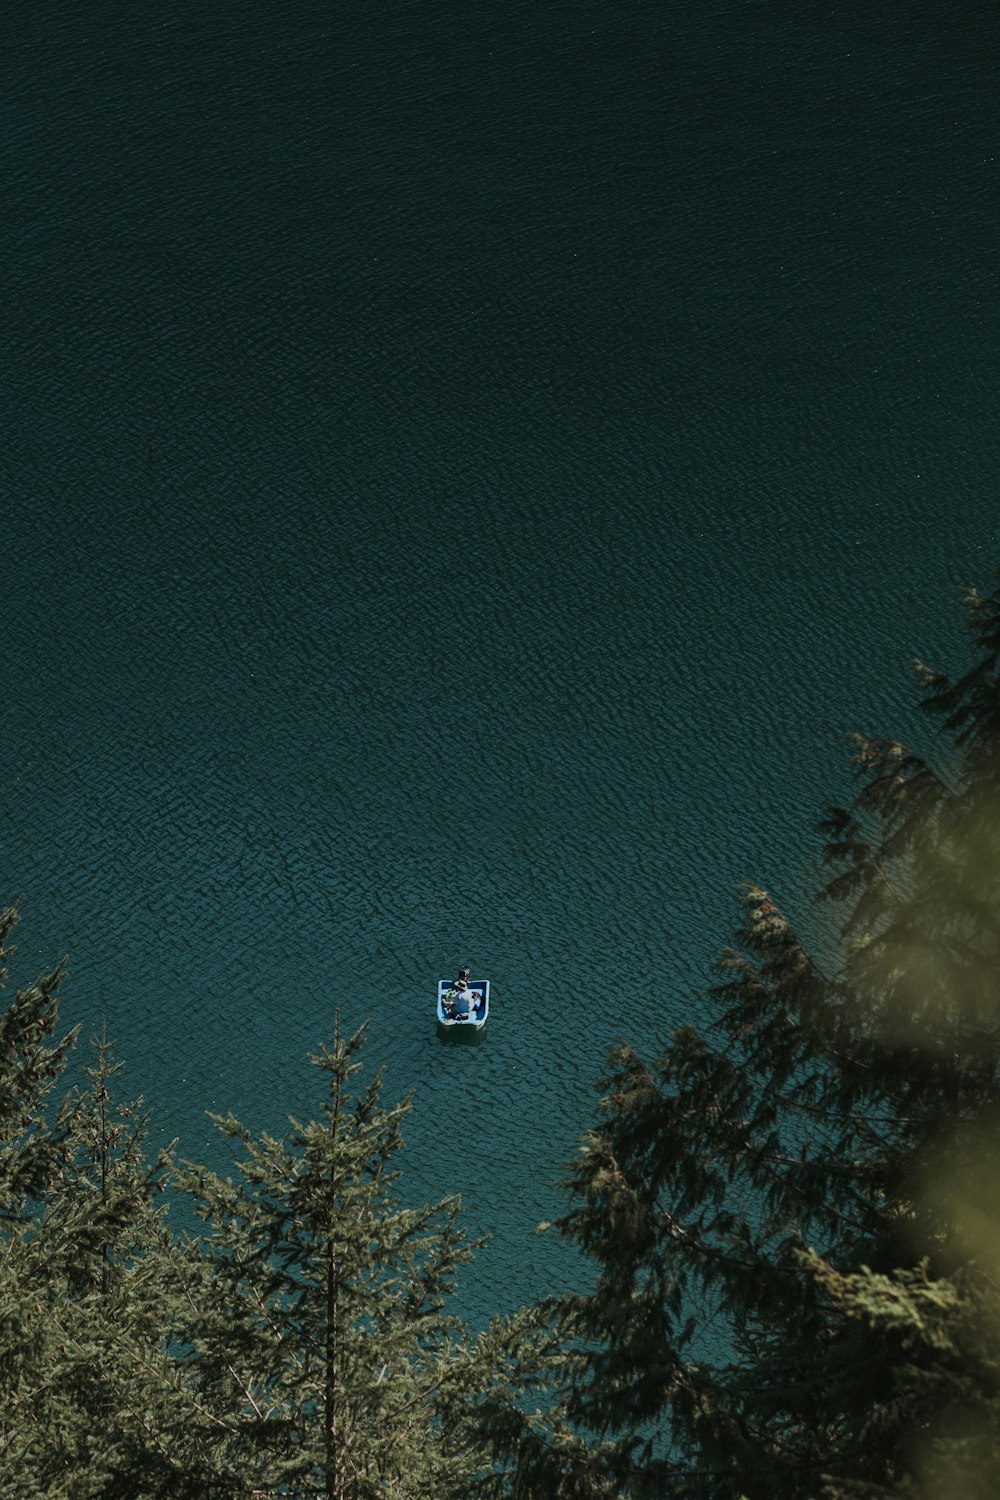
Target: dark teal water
465, 467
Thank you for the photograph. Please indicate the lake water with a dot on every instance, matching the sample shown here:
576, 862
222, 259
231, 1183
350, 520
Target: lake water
465, 468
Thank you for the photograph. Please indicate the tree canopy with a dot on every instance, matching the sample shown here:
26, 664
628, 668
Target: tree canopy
793, 1211
299, 1345
792, 1216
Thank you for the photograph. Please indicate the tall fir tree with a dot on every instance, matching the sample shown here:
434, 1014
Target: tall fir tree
83, 1360
320, 1346
32, 1061
763, 1201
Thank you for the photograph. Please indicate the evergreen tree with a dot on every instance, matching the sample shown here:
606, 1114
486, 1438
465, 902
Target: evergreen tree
30, 1066
81, 1352
30, 1148
300, 1347
117, 1409
324, 1361
766, 1200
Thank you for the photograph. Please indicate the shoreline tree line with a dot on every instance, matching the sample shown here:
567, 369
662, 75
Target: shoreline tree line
791, 1216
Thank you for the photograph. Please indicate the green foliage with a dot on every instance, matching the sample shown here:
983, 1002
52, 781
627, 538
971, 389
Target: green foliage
317, 1336
300, 1346
29, 1069
817, 1138
793, 1218
944, 1406
79, 1302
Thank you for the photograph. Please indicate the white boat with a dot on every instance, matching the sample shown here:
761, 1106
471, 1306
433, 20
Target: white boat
468, 1010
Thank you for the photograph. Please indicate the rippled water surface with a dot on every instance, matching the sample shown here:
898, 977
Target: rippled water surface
465, 467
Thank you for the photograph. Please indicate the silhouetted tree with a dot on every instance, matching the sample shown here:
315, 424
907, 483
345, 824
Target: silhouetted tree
773, 1205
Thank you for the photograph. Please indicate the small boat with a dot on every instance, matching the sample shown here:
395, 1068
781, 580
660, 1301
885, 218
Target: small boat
468, 1011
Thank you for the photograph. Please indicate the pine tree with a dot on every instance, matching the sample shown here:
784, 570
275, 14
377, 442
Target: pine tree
320, 1348
88, 1387
30, 1148
300, 1347
30, 1066
88, 1372
761, 1201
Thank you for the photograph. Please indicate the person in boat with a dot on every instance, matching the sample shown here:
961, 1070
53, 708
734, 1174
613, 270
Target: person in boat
477, 1000
461, 997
